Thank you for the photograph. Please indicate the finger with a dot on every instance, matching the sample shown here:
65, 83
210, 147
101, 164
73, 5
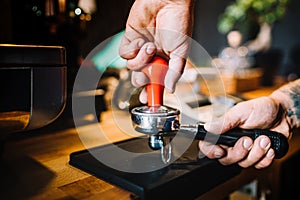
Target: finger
215, 126
231, 119
139, 79
257, 113
132, 41
143, 96
210, 150
238, 152
129, 49
176, 68
284, 128
260, 147
143, 57
223, 124
267, 160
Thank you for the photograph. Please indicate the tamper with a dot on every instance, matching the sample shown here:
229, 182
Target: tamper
161, 122
153, 118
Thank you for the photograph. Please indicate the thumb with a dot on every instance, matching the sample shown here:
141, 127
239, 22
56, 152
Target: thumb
232, 118
215, 126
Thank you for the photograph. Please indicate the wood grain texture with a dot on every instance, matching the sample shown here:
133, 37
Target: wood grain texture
34, 165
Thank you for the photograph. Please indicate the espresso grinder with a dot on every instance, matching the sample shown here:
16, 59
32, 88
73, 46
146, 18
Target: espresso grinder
32, 85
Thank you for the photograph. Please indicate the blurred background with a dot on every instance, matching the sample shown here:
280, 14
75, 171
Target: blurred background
255, 43
80, 25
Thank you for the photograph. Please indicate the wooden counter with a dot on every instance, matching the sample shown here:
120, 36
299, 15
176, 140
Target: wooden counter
34, 165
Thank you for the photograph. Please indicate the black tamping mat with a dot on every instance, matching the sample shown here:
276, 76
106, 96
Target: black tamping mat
186, 178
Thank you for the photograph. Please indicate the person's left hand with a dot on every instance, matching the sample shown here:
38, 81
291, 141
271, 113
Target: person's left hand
260, 113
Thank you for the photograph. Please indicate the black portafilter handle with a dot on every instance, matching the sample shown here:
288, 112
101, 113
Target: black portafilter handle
278, 141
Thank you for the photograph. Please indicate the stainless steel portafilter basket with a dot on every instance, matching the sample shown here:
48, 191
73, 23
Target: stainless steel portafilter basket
154, 121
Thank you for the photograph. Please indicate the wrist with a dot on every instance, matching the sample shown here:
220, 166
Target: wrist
164, 2
158, 4
288, 97
283, 99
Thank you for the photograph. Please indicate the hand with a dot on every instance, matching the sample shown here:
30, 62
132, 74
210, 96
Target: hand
260, 113
161, 27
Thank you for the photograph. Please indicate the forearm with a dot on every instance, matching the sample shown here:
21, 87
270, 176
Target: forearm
289, 98
157, 4
154, 6
172, 1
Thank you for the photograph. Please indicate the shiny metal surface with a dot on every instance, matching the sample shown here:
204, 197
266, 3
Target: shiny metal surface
33, 86
153, 120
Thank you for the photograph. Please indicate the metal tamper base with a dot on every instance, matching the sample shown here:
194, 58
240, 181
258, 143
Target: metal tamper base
154, 121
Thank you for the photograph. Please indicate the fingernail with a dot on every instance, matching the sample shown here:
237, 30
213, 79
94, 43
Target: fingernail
150, 50
270, 153
201, 154
143, 99
247, 144
170, 90
141, 81
264, 143
140, 43
169, 87
218, 154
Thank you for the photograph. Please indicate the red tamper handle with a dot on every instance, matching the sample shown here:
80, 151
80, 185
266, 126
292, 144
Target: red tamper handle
156, 71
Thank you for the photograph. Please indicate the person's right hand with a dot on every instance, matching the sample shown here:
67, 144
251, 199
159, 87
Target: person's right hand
260, 113
157, 27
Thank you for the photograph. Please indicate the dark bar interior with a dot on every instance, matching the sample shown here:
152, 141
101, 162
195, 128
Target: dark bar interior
66, 99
